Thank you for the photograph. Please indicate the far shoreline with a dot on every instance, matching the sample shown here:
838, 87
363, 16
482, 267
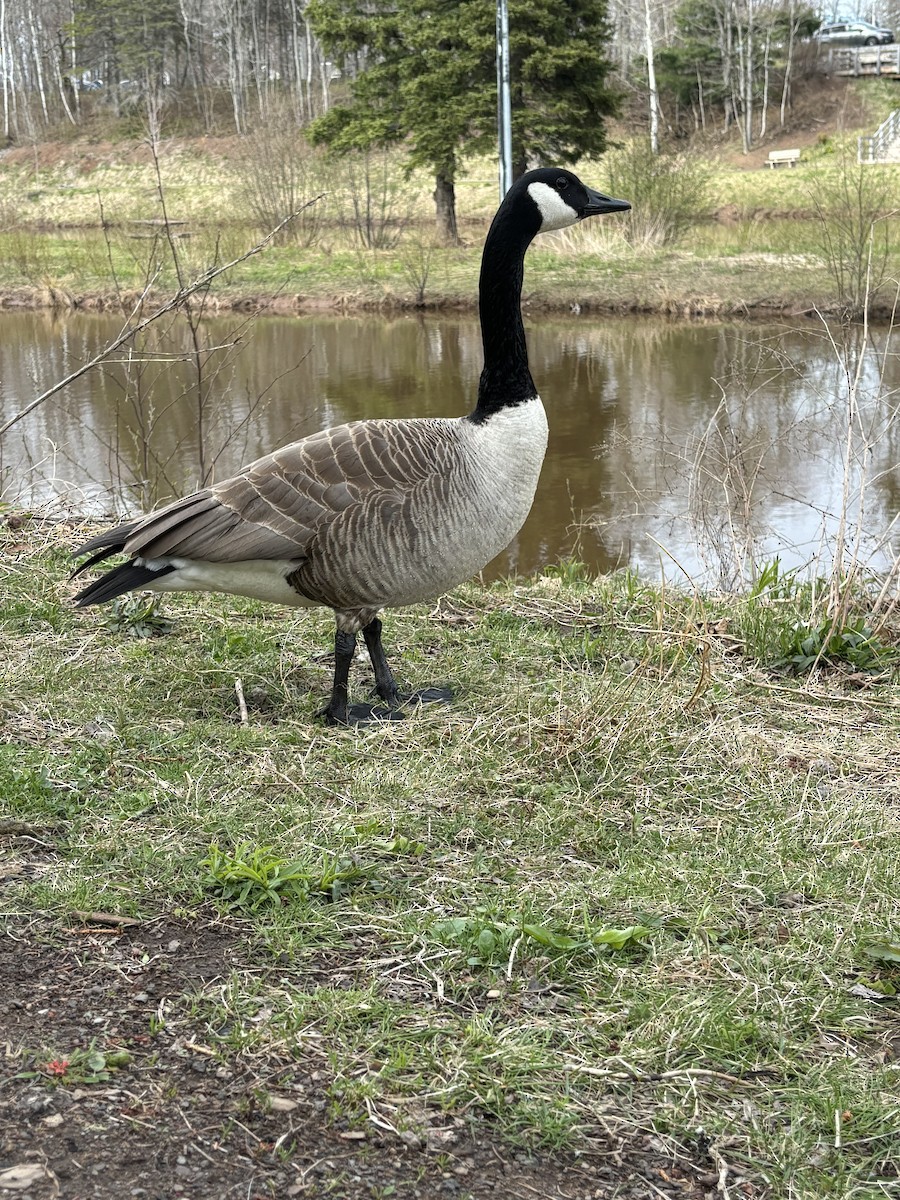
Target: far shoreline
59, 300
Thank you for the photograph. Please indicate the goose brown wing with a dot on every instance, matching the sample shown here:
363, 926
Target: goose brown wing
277, 505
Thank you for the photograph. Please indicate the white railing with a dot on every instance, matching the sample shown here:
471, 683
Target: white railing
874, 148
866, 60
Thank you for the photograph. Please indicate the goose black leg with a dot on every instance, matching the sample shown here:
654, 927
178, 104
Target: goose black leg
385, 686
339, 711
344, 649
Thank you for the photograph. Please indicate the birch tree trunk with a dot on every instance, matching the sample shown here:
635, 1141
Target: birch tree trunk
5, 71
763, 116
789, 63
700, 100
748, 82
37, 55
297, 66
651, 80
73, 63
61, 87
309, 71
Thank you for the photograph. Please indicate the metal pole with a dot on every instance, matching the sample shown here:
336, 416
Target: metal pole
504, 105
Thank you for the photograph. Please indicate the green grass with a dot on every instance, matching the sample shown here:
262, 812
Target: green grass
628, 880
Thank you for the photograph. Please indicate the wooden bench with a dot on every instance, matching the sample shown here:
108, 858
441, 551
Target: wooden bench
783, 158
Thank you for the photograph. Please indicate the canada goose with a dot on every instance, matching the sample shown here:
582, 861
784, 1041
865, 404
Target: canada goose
379, 513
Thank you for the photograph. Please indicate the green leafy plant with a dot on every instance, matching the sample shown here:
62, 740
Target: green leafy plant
885, 949
137, 616
78, 1066
773, 583
825, 643
782, 622
489, 941
569, 570
252, 877
401, 846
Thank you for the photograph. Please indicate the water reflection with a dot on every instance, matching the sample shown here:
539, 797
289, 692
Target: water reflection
709, 446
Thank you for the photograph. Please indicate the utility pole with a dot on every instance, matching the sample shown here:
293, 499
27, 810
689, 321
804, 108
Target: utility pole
504, 106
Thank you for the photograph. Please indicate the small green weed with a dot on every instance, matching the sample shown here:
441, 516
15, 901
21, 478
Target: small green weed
823, 644
252, 877
886, 949
137, 616
78, 1066
400, 847
593, 649
781, 623
569, 570
487, 941
774, 583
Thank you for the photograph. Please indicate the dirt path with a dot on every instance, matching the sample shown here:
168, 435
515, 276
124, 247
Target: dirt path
182, 1116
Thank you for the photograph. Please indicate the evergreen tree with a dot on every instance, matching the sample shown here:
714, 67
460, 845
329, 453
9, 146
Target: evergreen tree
430, 81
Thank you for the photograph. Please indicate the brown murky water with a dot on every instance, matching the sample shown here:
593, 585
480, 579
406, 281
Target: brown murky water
697, 448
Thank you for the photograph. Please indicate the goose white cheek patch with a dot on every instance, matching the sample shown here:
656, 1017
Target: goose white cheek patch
555, 213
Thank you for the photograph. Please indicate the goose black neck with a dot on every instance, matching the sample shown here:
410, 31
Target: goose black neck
505, 379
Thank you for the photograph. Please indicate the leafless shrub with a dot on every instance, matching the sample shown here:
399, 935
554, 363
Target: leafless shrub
279, 172
869, 415
734, 465
668, 192
855, 232
735, 471
417, 262
380, 197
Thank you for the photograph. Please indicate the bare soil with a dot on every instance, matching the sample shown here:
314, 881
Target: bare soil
184, 1117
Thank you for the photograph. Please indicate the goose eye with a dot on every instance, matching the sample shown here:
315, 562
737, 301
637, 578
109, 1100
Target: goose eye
561, 184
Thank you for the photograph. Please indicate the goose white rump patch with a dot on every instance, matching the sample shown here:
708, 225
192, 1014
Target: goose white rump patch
261, 578
555, 213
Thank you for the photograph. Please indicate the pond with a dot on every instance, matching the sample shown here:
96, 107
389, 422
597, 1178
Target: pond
700, 450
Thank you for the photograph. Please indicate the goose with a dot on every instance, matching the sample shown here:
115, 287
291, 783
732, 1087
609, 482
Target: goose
377, 513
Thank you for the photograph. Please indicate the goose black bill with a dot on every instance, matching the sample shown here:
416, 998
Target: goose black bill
598, 203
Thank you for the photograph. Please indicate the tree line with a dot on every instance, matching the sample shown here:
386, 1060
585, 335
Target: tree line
418, 73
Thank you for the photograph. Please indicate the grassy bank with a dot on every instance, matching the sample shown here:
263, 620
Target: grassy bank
634, 886
757, 246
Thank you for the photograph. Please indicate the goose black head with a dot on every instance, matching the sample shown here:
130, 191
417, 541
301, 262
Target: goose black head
561, 198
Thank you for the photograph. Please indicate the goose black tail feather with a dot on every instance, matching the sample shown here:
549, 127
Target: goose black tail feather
126, 578
111, 540
95, 558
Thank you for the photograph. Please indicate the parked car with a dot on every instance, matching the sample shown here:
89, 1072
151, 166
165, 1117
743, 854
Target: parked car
853, 33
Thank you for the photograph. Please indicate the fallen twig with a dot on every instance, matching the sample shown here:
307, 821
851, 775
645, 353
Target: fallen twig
654, 1077
104, 918
242, 703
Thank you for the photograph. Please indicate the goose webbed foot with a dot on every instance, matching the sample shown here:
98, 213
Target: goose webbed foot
430, 695
369, 714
